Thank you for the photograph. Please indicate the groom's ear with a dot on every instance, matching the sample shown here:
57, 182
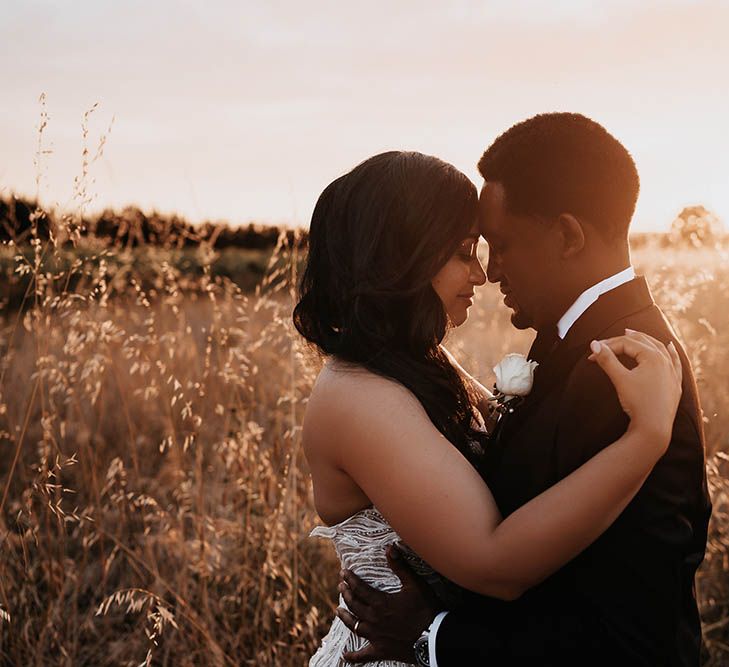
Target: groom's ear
571, 235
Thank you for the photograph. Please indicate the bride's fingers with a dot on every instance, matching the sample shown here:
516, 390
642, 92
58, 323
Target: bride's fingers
642, 337
668, 351
639, 350
637, 340
650, 346
604, 356
650, 340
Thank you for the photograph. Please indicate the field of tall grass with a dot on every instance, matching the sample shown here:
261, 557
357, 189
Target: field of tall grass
155, 502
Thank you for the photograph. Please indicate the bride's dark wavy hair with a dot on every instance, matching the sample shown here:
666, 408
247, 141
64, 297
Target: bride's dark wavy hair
378, 236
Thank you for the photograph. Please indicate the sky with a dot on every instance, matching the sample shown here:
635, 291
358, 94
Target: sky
244, 111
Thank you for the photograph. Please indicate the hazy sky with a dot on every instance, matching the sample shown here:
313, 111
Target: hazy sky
246, 111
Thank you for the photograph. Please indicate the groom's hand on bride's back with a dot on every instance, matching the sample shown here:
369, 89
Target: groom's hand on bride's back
391, 622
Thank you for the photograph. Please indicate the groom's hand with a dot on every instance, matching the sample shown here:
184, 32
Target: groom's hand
391, 622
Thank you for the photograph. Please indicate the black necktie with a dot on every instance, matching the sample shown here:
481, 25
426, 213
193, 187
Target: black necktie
545, 342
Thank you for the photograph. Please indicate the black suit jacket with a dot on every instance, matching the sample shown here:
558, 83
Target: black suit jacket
629, 598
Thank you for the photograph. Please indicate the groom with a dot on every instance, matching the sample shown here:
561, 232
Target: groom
557, 201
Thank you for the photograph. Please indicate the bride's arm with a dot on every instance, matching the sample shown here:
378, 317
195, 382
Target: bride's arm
441, 508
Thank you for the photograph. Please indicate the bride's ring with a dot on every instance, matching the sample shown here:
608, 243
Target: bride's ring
356, 626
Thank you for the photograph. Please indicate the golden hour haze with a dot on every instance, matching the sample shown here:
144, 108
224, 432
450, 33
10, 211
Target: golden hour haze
240, 111
386, 333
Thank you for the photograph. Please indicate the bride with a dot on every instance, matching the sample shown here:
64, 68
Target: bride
394, 428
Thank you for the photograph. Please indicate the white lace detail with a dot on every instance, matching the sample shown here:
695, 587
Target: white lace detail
360, 542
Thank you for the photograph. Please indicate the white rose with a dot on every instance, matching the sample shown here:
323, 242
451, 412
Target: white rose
515, 375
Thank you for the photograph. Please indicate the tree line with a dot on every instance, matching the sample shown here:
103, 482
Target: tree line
132, 227
694, 226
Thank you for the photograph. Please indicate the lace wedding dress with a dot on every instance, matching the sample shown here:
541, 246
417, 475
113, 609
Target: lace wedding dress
360, 542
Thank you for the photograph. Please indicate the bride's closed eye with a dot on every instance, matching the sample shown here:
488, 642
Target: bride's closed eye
467, 249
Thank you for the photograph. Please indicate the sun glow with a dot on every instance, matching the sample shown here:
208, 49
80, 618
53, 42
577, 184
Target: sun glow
245, 111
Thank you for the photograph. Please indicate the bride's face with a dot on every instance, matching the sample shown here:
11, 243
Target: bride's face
456, 281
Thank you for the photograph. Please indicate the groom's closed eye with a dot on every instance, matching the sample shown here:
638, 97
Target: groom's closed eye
496, 246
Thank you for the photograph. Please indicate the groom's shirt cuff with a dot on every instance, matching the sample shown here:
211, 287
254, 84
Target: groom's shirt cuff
431, 637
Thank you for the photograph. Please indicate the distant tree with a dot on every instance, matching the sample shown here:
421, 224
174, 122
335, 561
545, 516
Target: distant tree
696, 226
16, 220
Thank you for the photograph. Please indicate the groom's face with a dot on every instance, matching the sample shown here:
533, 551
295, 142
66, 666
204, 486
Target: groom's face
520, 258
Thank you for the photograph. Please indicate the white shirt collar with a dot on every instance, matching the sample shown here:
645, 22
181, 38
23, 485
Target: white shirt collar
589, 296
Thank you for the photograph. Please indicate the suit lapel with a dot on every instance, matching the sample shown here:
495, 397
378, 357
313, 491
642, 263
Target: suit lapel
612, 306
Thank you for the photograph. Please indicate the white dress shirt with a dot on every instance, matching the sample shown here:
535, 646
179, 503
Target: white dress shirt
589, 296
574, 312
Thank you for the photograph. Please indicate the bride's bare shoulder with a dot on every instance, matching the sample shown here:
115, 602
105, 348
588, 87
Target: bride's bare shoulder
348, 390
351, 407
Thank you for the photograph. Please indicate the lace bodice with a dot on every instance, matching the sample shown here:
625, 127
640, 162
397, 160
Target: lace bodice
360, 542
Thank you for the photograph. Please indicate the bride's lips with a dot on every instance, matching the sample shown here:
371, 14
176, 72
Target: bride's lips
468, 297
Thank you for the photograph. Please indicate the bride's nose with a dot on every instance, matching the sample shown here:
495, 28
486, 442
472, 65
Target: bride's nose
478, 275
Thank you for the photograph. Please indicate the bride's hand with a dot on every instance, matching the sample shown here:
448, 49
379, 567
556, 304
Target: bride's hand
650, 392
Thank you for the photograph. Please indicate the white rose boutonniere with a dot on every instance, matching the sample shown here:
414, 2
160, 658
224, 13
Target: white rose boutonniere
514, 379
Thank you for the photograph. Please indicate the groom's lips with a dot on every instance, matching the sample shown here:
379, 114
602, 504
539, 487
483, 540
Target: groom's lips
508, 299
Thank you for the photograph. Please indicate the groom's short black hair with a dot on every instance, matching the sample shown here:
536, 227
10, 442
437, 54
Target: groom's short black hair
556, 163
